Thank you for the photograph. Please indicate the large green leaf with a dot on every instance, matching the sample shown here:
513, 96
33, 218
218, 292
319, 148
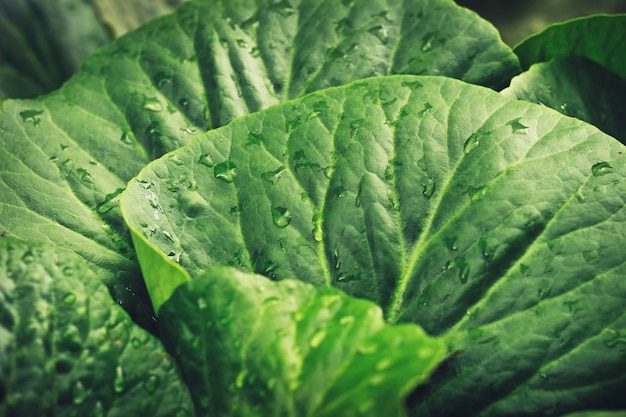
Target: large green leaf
600, 38
66, 349
248, 346
65, 157
576, 87
496, 221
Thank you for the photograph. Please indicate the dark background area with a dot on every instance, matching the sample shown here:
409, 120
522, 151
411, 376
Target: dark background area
517, 19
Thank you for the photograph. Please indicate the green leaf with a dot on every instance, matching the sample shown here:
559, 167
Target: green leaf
598, 414
600, 38
67, 349
47, 41
248, 346
576, 87
495, 221
67, 156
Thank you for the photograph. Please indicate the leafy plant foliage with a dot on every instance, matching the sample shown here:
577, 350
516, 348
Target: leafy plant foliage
299, 228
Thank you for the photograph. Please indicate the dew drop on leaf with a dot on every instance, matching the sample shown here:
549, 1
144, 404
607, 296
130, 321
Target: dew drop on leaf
69, 298
226, 171
151, 384
318, 234
472, 142
206, 160
241, 378
79, 393
427, 41
615, 340
317, 338
31, 116
126, 138
98, 409
383, 364
152, 104
601, 168
428, 188
110, 202
272, 176
119, 383
517, 127
281, 216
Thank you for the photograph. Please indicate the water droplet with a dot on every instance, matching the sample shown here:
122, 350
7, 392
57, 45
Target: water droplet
145, 184
384, 364
355, 125
241, 378
110, 201
342, 25
428, 188
484, 249
601, 168
119, 383
328, 171
31, 116
183, 102
381, 32
79, 393
281, 216
226, 171
451, 243
425, 110
427, 41
472, 142
68, 271
464, 269
367, 348
152, 200
283, 7
85, 176
572, 306
318, 233
242, 43
161, 79
152, 104
272, 176
235, 210
475, 333
206, 160
357, 200
615, 340
591, 255
69, 298
254, 138
151, 384
339, 191
346, 320
175, 159
126, 138
98, 410
317, 338
517, 127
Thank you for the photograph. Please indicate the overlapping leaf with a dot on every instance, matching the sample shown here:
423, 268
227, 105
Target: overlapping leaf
67, 349
248, 346
498, 222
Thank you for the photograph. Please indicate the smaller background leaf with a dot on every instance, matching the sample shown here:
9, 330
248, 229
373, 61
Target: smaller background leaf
600, 38
67, 349
576, 87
